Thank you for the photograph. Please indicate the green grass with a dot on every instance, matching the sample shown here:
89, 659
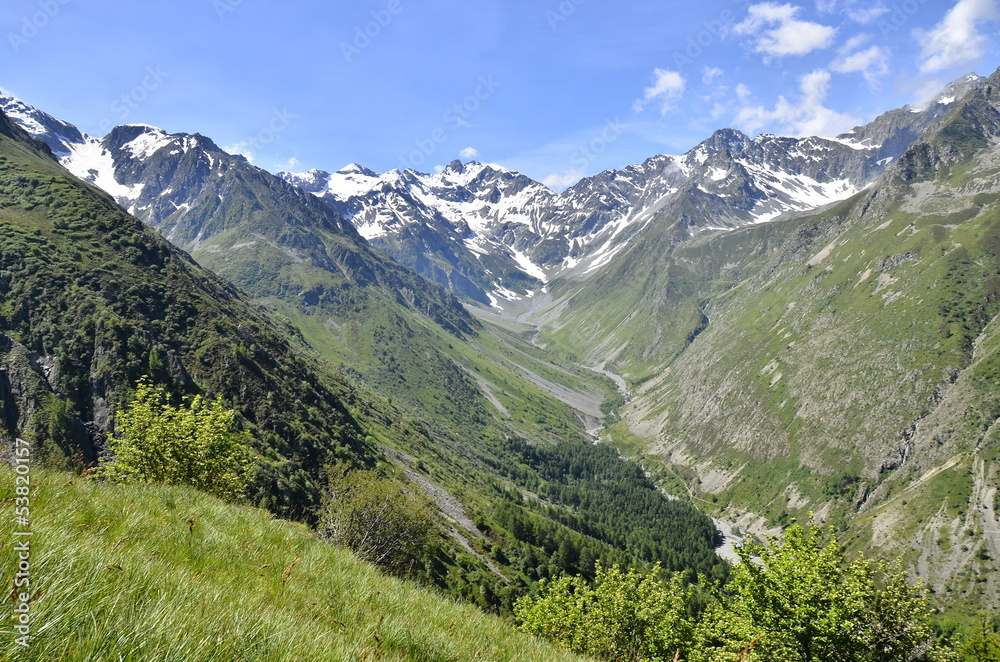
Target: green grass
167, 573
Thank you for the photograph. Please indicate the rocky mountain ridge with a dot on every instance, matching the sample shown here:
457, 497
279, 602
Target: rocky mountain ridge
494, 235
490, 234
841, 363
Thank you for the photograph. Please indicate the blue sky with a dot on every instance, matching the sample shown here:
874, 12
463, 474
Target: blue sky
557, 89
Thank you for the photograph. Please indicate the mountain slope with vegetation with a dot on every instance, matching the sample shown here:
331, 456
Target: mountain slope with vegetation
843, 363
94, 300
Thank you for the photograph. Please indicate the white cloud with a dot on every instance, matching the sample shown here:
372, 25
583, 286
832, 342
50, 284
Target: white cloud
469, 153
709, 74
854, 43
558, 181
242, 148
809, 117
743, 92
777, 32
872, 62
866, 15
957, 39
667, 87
289, 166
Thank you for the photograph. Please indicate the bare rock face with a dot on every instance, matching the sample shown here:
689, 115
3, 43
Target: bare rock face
29, 403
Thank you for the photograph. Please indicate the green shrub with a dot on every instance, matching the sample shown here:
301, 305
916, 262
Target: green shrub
376, 519
622, 616
193, 445
800, 599
797, 600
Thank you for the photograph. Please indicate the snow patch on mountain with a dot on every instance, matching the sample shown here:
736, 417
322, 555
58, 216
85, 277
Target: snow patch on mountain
603, 257
803, 192
149, 142
528, 266
92, 163
348, 183
853, 144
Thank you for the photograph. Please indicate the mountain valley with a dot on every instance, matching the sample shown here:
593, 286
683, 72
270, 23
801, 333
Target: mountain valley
764, 327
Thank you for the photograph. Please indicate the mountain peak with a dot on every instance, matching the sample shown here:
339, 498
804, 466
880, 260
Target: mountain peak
729, 135
455, 166
145, 127
722, 140
311, 181
352, 169
959, 87
142, 140
950, 93
58, 135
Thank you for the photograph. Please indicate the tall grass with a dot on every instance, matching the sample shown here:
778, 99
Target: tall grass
167, 573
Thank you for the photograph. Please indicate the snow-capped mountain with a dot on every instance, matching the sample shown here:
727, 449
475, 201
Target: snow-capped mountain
492, 234
467, 227
60, 136
488, 233
235, 217
177, 183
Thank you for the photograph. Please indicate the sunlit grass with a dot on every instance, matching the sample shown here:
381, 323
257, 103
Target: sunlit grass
167, 573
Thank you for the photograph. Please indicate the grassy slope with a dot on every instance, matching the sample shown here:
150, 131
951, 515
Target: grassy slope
423, 365
159, 573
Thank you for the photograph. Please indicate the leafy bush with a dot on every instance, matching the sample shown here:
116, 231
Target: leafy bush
375, 518
190, 445
622, 616
799, 599
796, 600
